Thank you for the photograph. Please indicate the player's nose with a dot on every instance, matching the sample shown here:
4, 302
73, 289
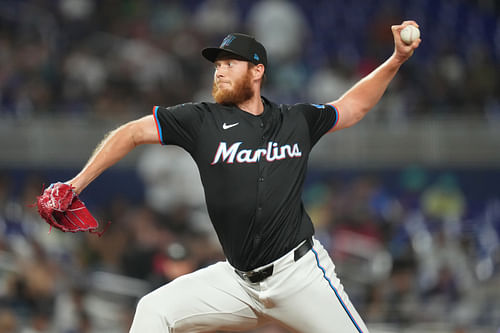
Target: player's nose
219, 72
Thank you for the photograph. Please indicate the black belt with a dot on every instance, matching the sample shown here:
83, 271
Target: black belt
260, 275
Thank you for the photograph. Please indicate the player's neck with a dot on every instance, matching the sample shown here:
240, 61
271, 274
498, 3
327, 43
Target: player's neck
253, 105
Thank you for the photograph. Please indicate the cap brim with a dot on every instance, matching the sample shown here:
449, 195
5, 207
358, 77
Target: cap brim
211, 54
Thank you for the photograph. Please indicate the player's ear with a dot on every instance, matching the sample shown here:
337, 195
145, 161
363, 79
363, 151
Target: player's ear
258, 71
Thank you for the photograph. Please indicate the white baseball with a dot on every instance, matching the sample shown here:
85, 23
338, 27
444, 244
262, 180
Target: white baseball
409, 34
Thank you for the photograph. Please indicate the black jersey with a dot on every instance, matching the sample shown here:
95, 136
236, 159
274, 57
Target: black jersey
252, 169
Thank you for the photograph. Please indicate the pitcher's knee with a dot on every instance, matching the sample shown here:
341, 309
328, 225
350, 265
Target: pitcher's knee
145, 304
149, 316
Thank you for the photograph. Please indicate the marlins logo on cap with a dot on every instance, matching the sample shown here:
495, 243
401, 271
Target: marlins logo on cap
227, 41
240, 45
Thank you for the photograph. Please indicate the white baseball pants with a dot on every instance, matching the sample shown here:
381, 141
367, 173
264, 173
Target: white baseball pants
304, 296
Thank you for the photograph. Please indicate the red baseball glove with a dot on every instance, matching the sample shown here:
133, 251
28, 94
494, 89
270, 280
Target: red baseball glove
60, 207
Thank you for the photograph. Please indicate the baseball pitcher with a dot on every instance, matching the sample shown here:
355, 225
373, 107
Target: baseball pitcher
252, 156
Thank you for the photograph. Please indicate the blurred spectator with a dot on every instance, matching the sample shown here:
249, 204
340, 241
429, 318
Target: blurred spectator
216, 17
444, 200
84, 78
280, 26
171, 178
70, 314
412, 181
401, 294
173, 182
8, 321
145, 237
171, 262
40, 322
32, 290
328, 84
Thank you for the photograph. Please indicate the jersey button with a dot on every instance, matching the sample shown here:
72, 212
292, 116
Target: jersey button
261, 179
261, 124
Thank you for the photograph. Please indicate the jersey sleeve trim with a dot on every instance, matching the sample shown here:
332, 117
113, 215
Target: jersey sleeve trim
158, 127
336, 117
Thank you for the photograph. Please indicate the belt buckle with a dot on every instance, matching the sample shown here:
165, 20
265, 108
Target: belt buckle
256, 276
250, 276
253, 276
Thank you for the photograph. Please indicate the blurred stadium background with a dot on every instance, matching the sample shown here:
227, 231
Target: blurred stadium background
408, 201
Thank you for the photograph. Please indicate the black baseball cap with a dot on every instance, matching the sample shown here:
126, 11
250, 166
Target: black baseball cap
241, 45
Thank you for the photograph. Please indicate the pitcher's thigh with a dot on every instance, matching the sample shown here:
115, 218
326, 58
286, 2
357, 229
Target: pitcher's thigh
203, 301
321, 305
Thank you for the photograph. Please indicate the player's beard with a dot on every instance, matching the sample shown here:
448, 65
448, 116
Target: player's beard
240, 91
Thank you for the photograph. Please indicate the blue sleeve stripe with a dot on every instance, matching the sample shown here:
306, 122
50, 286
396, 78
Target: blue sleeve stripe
336, 117
158, 127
